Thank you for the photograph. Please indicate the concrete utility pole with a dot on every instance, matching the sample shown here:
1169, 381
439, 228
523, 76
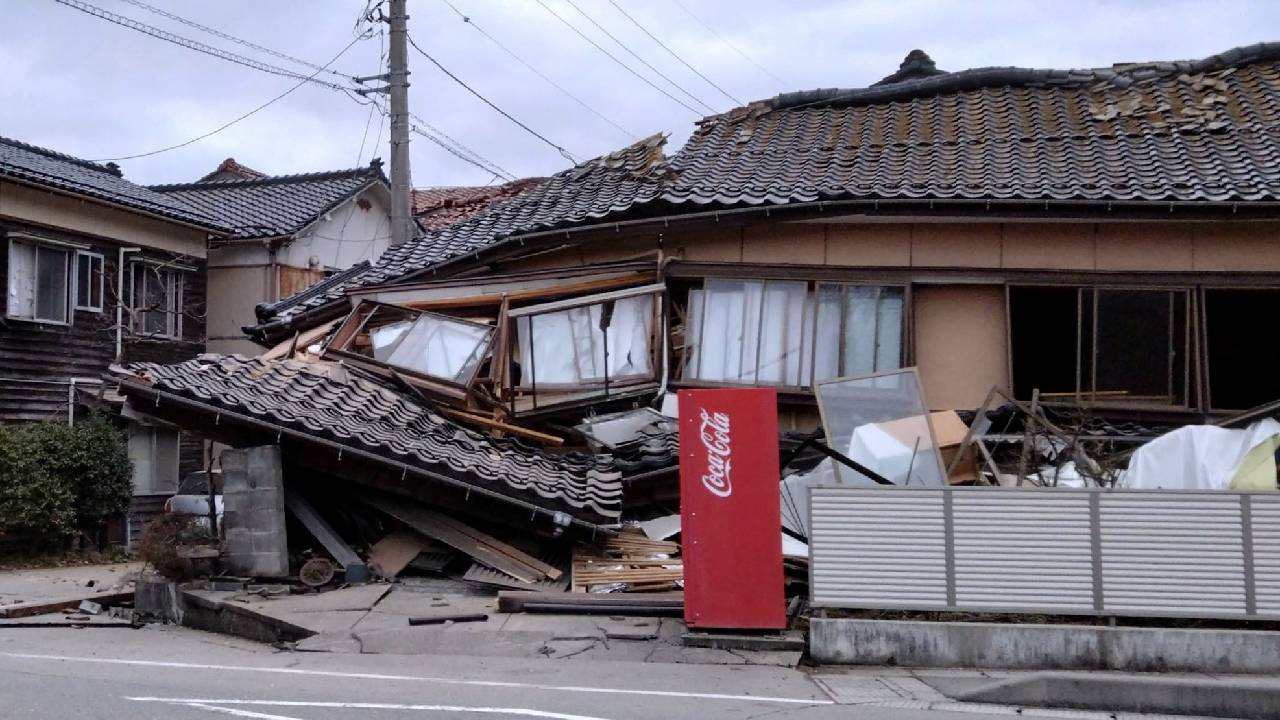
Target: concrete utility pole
398, 80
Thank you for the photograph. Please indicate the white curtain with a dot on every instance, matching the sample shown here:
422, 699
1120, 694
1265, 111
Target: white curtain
568, 347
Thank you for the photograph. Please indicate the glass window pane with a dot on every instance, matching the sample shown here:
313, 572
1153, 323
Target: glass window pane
95, 282
21, 301
439, 346
781, 333
384, 339
861, 312
84, 280
827, 343
881, 422
692, 333
568, 347
889, 329
155, 300
51, 284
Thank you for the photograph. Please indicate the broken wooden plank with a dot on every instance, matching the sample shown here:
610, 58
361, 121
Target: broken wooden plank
392, 554
470, 542
456, 618
41, 607
352, 565
516, 554
515, 601
491, 424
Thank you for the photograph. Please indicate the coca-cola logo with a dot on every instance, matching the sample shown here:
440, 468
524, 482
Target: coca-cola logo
714, 433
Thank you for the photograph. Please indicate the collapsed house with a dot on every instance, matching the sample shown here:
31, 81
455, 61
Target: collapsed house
1094, 242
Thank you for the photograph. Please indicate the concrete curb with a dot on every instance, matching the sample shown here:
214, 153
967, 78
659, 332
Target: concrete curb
1042, 647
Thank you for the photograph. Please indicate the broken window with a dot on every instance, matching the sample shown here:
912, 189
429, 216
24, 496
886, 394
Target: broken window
787, 333
1241, 370
416, 343
1105, 344
594, 340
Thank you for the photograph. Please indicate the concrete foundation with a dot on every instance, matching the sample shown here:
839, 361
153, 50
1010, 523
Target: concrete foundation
254, 542
1042, 647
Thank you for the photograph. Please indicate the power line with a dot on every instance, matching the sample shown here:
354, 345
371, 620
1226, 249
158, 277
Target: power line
673, 54
610, 55
636, 55
263, 106
190, 44
452, 146
568, 155
733, 47
232, 38
433, 130
468, 20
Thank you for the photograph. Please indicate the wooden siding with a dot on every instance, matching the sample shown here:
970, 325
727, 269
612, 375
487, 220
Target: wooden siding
37, 360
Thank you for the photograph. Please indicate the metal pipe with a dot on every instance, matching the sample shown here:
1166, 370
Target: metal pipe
120, 299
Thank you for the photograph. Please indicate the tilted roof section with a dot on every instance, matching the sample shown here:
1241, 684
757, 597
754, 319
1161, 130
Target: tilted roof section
274, 206
69, 174
328, 403
1202, 130
591, 190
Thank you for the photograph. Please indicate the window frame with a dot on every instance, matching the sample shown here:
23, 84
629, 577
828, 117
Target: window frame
36, 242
101, 262
150, 435
1086, 368
809, 332
175, 295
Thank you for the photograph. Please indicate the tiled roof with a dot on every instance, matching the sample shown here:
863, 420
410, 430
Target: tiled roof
591, 190
229, 169
279, 205
1197, 131
103, 182
360, 414
439, 207
1190, 131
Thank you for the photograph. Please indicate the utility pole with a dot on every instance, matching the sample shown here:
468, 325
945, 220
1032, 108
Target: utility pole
398, 81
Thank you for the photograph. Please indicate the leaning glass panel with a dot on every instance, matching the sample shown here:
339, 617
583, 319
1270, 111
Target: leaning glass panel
882, 422
441, 346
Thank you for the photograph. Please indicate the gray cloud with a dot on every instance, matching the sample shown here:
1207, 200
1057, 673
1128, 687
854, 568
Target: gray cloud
90, 88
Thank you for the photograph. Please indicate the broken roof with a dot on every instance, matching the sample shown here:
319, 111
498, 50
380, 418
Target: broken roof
274, 206
69, 174
229, 169
1201, 131
436, 208
325, 403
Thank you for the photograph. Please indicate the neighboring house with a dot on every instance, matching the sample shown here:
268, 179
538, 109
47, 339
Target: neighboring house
436, 208
290, 231
1107, 236
96, 270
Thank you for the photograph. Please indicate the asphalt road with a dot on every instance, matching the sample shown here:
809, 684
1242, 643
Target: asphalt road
180, 674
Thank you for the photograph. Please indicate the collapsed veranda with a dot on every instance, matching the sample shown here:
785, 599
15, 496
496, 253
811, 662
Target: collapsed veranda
1099, 238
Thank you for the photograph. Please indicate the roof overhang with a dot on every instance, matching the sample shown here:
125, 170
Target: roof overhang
211, 229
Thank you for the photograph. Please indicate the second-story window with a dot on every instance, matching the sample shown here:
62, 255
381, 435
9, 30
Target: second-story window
156, 300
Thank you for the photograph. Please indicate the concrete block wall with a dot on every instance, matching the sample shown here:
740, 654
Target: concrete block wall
254, 541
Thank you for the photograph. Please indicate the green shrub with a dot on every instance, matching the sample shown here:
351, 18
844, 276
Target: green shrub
32, 500
55, 478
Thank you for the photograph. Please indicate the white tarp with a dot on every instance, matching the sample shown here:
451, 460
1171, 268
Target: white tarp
1206, 457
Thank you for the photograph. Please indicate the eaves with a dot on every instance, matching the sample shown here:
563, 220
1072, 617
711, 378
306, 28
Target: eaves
216, 230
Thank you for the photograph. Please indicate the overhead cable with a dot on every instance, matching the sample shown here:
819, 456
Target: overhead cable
732, 47
671, 52
218, 33
610, 55
471, 21
636, 55
254, 111
190, 44
567, 155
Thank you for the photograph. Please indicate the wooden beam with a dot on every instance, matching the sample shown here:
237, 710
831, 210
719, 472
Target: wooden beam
491, 424
352, 565
42, 607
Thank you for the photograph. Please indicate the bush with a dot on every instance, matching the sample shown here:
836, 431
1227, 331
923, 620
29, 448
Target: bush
55, 478
32, 500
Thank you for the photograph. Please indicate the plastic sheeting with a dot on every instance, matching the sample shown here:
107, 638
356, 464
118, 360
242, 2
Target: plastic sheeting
1207, 457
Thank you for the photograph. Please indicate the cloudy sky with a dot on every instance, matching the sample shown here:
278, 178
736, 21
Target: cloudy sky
91, 88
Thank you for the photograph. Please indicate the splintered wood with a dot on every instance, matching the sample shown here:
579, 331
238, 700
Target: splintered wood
628, 562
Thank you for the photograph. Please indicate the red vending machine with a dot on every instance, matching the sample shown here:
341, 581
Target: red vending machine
729, 507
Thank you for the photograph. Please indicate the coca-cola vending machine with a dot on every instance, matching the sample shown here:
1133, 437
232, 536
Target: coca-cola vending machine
729, 507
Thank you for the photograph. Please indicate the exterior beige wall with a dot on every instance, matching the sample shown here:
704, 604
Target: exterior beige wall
233, 293
961, 344
1082, 246
41, 207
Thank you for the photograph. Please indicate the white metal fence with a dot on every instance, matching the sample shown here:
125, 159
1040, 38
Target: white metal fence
1050, 551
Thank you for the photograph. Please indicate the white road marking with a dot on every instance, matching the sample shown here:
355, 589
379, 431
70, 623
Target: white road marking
424, 679
240, 713
211, 705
